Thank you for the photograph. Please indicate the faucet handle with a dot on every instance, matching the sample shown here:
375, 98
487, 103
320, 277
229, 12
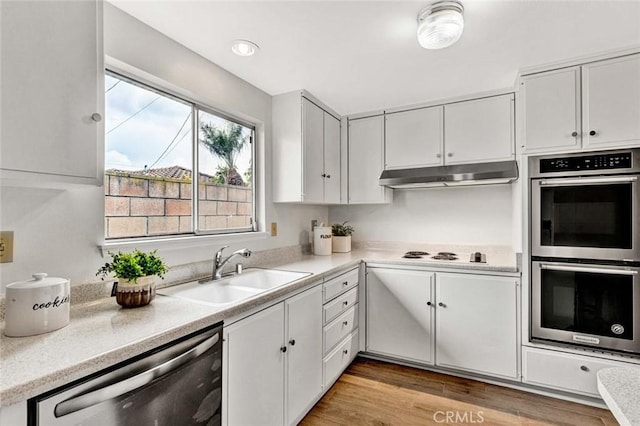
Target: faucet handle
219, 252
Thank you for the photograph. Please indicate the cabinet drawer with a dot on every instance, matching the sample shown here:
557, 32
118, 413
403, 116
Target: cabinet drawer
564, 371
340, 284
340, 358
340, 327
340, 304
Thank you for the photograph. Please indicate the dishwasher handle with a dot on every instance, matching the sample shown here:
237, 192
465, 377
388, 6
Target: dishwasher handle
134, 382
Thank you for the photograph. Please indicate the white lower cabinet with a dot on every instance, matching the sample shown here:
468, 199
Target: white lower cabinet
340, 331
477, 323
340, 358
274, 362
400, 314
564, 371
463, 321
255, 369
304, 355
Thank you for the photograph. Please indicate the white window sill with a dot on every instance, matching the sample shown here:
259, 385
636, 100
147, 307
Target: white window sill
179, 242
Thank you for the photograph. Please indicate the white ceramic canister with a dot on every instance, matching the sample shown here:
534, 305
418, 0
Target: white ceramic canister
322, 240
36, 306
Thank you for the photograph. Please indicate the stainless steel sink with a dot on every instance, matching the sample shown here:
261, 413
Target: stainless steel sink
233, 289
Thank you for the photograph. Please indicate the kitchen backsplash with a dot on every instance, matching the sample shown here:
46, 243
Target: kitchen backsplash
91, 291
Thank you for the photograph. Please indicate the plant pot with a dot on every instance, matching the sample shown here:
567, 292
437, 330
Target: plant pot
131, 294
341, 244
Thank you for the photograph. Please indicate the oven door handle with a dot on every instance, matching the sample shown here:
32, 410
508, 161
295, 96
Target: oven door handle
610, 271
587, 181
134, 382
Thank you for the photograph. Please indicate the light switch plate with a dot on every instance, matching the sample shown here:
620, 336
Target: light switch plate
6, 246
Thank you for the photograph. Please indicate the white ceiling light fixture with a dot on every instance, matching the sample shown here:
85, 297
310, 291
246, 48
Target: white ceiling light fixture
244, 47
440, 24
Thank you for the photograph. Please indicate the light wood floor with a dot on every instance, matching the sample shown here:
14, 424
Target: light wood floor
379, 393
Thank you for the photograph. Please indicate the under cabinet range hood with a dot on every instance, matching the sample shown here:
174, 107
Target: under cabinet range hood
458, 175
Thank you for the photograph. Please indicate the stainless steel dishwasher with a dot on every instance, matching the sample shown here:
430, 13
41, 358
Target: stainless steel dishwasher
178, 383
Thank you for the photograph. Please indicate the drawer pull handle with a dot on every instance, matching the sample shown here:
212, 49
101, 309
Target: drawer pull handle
584, 368
283, 349
292, 342
442, 304
345, 303
345, 323
346, 352
346, 283
429, 303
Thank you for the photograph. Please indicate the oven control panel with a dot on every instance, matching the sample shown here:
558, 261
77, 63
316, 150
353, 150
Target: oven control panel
621, 160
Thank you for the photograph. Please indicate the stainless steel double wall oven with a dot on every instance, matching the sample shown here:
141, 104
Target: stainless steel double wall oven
585, 249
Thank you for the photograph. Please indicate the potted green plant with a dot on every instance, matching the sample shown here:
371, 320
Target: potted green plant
136, 273
341, 241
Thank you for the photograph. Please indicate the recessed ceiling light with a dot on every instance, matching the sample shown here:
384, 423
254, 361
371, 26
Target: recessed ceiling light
440, 25
244, 47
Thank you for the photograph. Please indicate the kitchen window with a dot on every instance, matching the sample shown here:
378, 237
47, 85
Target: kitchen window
155, 145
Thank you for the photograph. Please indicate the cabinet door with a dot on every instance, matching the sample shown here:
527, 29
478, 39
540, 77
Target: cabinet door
399, 314
611, 103
255, 385
313, 149
480, 130
304, 342
52, 82
476, 323
413, 138
366, 149
551, 110
331, 159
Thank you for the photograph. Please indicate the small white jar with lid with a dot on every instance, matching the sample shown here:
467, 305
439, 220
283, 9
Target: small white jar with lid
36, 306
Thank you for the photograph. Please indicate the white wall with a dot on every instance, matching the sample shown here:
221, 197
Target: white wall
58, 231
462, 215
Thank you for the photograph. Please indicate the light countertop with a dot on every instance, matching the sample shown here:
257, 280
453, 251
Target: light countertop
102, 334
620, 390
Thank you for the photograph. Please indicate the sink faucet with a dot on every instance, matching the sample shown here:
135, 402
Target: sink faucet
218, 262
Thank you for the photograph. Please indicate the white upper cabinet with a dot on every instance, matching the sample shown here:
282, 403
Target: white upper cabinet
306, 150
473, 131
413, 138
331, 159
611, 103
481, 130
366, 161
52, 108
551, 103
593, 106
313, 150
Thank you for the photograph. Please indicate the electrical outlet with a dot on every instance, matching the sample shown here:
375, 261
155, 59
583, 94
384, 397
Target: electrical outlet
314, 223
6, 246
274, 229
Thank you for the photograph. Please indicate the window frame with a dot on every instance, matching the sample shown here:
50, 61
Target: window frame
243, 233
